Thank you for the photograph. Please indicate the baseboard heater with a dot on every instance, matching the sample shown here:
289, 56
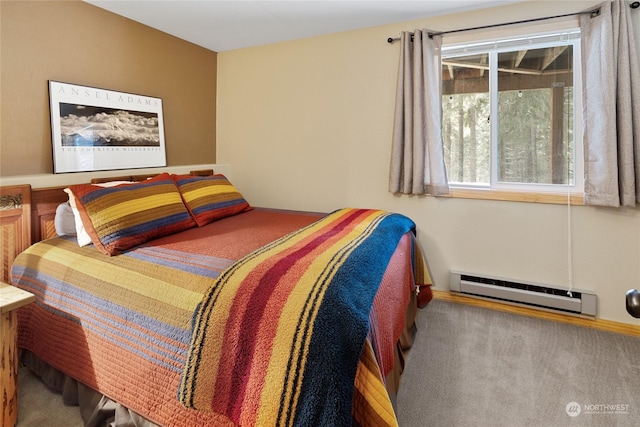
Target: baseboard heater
524, 293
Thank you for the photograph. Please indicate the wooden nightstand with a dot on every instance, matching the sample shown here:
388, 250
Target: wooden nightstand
11, 298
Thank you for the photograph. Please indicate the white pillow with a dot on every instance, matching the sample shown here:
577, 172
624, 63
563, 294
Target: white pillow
64, 221
81, 233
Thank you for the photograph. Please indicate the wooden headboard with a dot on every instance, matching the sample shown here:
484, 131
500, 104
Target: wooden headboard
45, 201
15, 219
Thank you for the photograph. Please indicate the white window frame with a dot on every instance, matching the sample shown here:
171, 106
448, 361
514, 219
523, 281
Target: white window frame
531, 41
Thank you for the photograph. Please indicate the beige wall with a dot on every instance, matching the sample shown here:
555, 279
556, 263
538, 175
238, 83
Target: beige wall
74, 42
307, 125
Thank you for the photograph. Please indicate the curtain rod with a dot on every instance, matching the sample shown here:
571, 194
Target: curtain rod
593, 13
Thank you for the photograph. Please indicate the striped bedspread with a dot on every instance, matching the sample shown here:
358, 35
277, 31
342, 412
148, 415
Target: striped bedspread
123, 325
292, 319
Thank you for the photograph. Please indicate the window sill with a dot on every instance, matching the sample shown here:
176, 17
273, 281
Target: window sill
515, 196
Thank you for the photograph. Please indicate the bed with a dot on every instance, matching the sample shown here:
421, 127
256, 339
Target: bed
192, 307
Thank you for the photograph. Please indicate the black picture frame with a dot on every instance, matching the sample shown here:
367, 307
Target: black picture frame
97, 129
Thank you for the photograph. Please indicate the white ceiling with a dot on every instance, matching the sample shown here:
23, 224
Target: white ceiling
221, 25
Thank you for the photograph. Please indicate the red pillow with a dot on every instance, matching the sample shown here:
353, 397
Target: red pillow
210, 198
120, 217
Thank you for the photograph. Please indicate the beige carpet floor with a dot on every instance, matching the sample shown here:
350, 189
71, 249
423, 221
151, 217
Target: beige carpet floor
38, 406
480, 367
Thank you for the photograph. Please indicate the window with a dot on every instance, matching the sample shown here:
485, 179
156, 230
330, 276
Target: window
512, 114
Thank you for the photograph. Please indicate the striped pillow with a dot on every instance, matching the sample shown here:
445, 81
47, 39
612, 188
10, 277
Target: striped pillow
120, 217
210, 197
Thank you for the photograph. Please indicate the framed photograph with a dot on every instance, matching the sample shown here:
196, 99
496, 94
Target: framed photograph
97, 129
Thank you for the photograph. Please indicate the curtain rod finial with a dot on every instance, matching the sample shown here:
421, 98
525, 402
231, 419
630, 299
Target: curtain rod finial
635, 5
390, 40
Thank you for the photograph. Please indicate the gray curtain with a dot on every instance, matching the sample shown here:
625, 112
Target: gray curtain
611, 107
417, 157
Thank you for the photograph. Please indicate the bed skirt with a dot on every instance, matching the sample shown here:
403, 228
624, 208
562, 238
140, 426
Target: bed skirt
97, 410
